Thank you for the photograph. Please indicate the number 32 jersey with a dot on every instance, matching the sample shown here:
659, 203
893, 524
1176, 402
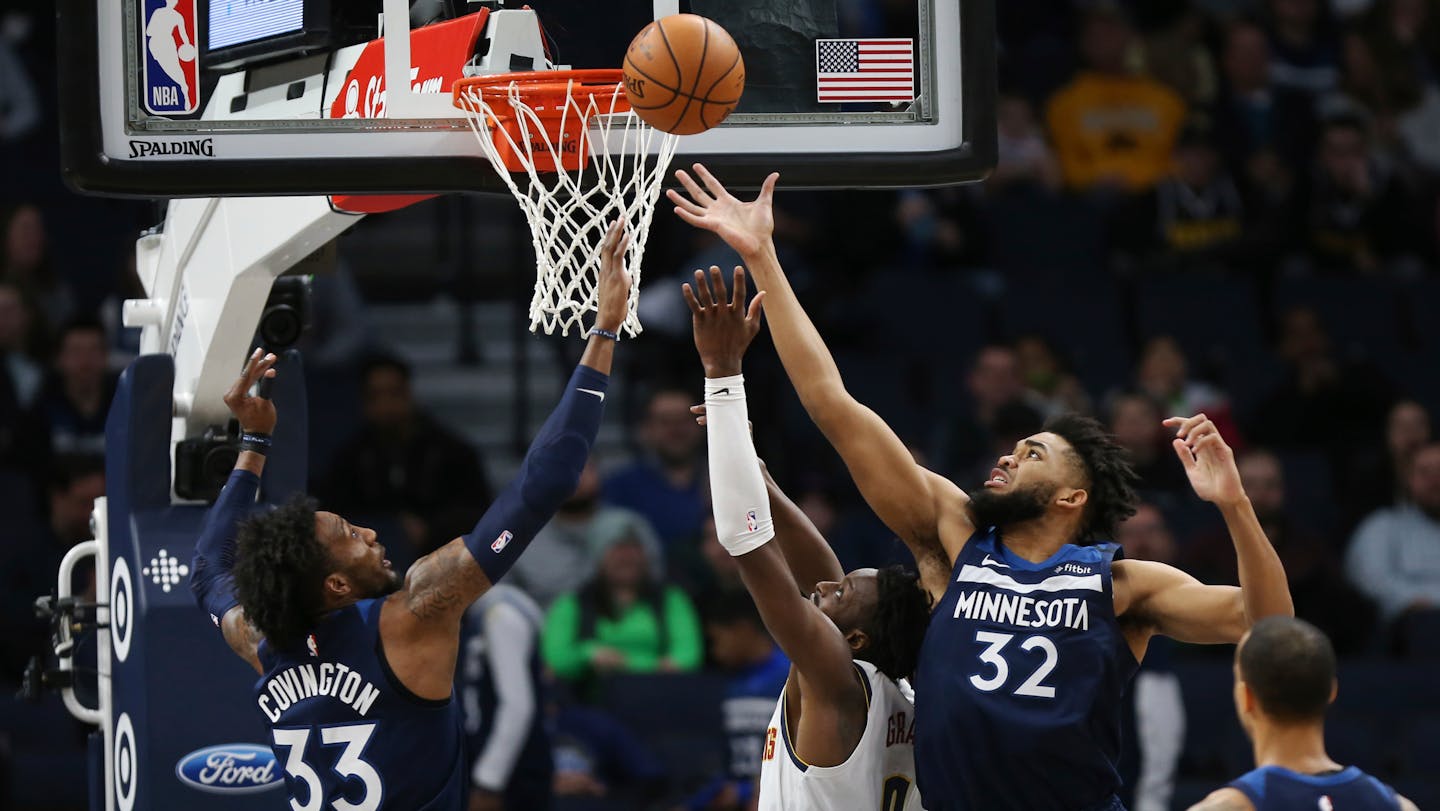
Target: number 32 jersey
1020, 682
347, 734
879, 775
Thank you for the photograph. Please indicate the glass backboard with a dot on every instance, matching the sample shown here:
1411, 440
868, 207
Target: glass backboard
245, 97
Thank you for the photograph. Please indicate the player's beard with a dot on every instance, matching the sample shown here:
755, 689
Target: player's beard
1016, 505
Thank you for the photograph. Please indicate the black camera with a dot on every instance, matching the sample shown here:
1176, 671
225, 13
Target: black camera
286, 313
202, 464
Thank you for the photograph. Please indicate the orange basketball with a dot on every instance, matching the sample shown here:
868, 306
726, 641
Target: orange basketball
683, 74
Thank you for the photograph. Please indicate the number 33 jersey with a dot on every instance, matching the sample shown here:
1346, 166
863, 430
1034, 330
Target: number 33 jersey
1020, 682
879, 775
347, 734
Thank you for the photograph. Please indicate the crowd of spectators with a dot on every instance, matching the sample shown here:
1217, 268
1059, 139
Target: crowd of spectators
1226, 206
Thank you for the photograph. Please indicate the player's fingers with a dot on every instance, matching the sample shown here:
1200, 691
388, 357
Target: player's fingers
767, 189
714, 186
699, 195
694, 305
689, 218
737, 296
1188, 424
697, 409
757, 306
717, 280
1183, 451
684, 202
242, 382
702, 289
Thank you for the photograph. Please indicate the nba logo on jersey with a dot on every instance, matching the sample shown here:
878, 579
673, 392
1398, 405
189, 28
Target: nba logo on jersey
168, 38
499, 544
752, 521
1326, 804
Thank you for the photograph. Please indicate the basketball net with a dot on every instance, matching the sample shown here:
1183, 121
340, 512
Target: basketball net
576, 158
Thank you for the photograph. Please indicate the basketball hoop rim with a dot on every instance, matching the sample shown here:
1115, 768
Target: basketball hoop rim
543, 87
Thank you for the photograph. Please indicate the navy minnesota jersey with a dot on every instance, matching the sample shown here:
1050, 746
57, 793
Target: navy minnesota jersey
1272, 788
1018, 693
347, 733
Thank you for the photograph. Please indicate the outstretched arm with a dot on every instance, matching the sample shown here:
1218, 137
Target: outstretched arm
820, 654
1174, 603
908, 498
210, 580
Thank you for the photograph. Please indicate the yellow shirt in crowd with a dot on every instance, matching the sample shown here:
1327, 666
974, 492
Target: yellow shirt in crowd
1120, 127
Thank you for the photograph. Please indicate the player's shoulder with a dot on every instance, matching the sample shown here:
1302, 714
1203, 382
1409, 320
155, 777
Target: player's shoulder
1224, 799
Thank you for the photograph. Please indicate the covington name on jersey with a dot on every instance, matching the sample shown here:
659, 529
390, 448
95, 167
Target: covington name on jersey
1014, 609
298, 683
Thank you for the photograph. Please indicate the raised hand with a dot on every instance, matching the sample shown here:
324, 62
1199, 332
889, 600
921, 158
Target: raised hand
614, 284
746, 227
256, 414
1208, 461
723, 329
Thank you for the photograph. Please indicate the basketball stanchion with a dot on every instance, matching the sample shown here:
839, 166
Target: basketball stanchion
575, 157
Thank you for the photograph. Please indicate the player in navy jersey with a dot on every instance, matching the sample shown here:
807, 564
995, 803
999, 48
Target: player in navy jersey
1038, 625
1284, 683
357, 662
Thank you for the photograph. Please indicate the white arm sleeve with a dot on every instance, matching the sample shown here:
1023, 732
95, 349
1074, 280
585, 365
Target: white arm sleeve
737, 490
511, 639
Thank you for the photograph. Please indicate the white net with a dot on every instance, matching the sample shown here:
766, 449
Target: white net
569, 209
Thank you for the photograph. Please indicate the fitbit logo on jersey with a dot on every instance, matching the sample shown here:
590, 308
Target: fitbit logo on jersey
229, 768
1072, 568
197, 147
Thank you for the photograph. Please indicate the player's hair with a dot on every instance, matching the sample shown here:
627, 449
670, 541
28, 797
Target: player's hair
1109, 478
280, 569
1289, 665
897, 627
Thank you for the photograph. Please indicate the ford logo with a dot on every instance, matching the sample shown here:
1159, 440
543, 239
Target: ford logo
229, 768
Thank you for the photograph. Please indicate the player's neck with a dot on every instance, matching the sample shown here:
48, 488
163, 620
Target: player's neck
1039, 539
1297, 747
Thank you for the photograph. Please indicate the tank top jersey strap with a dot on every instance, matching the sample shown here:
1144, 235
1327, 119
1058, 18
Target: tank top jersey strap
1020, 685
879, 774
1273, 788
343, 726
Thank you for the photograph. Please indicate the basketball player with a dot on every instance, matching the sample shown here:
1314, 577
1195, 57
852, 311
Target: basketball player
357, 662
1284, 682
1037, 626
840, 736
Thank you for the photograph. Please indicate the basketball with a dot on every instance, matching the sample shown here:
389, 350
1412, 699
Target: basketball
186, 53
683, 74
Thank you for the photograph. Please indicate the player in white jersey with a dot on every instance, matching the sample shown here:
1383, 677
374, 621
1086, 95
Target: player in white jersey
842, 733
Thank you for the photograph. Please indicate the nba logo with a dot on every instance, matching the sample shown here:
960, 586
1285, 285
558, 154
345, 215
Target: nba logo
501, 542
312, 645
168, 38
752, 521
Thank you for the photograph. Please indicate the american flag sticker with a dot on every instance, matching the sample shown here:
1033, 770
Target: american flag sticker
865, 70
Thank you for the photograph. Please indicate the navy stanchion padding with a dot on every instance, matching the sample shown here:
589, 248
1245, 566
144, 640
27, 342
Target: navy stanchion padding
177, 688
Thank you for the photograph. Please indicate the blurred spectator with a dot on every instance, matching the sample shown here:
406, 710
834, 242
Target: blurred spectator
404, 462
337, 336
569, 546
1155, 700
30, 559
1192, 220
1317, 583
19, 110
77, 396
622, 621
1304, 53
940, 227
1323, 402
1172, 50
740, 644
667, 484
24, 443
996, 389
1395, 554
1135, 420
1264, 131
1377, 477
27, 264
22, 376
1053, 388
598, 756
1360, 217
1023, 157
1390, 66
1112, 128
721, 574
1164, 374
502, 694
